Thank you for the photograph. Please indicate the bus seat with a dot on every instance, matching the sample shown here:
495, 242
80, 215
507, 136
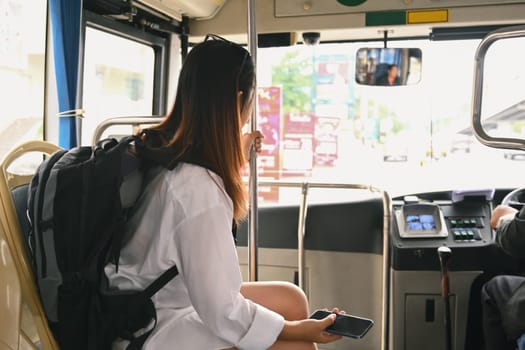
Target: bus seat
10, 295
23, 324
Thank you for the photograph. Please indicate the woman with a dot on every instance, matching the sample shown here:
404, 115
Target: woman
185, 215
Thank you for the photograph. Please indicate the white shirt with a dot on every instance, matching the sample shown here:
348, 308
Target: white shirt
184, 217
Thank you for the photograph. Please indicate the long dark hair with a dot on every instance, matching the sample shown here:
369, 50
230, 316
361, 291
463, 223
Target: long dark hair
215, 84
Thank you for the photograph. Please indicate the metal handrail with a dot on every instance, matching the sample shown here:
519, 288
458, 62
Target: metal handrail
253, 273
301, 227
133, 121
479, 60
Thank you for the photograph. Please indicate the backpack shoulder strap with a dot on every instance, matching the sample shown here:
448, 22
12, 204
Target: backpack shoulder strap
35, 203
143, 298
160, 282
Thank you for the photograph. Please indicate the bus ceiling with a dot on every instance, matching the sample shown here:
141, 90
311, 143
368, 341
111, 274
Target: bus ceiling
369, 20
156, 12
176, 9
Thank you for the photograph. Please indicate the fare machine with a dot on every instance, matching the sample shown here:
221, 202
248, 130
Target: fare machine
459, 220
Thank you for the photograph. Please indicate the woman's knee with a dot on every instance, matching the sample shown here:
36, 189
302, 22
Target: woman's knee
295, 292
283, 297
294, 300
293, 295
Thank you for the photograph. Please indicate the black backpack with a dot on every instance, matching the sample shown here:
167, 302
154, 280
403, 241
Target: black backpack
78, 204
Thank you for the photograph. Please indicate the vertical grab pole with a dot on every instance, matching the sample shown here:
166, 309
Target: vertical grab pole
300, 234
387, 214
252, 219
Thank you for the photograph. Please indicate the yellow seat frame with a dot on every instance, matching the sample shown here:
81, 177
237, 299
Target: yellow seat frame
23, 324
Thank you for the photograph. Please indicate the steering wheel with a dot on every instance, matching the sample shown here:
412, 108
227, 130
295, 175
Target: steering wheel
515, 199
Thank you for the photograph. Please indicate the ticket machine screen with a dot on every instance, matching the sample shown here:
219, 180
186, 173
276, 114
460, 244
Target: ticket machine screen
422, 222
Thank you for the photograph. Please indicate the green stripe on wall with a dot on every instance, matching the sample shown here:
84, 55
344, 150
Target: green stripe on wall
385, 18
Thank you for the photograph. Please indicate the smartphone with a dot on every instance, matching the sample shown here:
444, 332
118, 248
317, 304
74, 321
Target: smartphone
346, 325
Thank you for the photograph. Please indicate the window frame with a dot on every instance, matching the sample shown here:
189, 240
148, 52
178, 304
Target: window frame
159, 44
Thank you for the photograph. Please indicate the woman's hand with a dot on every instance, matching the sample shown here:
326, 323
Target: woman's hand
311, 330
252, 139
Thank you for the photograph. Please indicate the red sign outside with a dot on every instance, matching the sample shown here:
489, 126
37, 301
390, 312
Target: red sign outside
269, 122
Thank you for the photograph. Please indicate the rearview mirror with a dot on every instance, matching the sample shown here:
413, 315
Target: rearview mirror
388, 66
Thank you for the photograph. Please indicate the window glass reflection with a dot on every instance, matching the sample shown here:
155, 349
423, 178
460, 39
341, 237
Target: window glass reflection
118, 81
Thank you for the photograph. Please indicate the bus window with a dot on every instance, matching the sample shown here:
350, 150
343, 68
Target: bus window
118, 80
503, 113
332, 129
22, 62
